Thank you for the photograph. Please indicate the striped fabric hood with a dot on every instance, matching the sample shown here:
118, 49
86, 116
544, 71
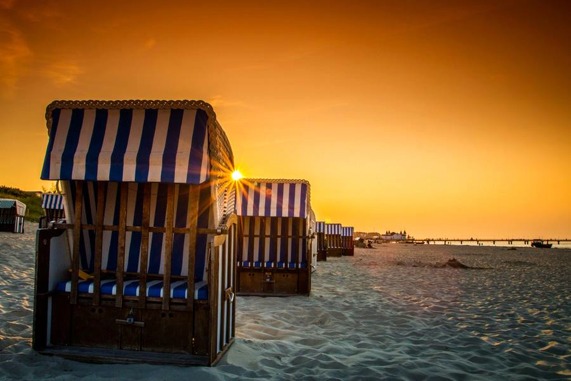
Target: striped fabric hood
273, 198
52, 201
128, 141
347, 231
333, 229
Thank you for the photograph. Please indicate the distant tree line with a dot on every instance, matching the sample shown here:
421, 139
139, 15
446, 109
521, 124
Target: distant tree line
32, 200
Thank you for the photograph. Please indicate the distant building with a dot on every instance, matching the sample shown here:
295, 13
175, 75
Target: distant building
373, 236
393, 236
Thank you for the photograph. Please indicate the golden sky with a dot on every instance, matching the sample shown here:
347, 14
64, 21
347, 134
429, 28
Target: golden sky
444, 118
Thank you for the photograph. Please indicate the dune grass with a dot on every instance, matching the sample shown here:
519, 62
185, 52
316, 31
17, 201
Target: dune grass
32, 200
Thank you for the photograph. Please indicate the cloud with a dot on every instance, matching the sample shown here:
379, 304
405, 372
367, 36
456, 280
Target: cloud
150, 43
7, 4
62, 73
15, 55
220, 101
446, 14
37, 12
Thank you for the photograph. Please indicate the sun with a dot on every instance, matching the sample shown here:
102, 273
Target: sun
236, 175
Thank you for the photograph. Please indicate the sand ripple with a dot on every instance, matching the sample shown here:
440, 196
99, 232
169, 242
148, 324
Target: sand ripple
387, 313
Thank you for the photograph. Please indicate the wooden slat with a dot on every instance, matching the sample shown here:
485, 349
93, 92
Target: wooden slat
274, 255
152, 229
262, 240
240, 243
306, 243
309, 256
219, 252
214, 299
193, 205
228, 266
42, 290
251, 239
295, 225
145, 245
304, 253
233, 252
123, 198
284, 244
98, 242
76, 241
203, 231
168, 246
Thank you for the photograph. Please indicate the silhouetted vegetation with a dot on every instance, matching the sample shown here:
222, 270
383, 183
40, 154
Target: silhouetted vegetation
32, 200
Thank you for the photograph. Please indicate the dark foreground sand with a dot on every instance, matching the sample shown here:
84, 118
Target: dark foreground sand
392, 312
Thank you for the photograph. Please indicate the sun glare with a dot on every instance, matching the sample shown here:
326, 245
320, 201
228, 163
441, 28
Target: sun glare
236, 175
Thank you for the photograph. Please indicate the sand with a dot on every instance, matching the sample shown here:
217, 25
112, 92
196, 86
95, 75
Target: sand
392, 312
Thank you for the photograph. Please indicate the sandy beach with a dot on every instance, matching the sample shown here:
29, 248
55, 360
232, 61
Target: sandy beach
392, 312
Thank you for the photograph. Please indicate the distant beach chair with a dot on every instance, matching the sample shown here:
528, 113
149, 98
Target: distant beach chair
333, 238
347, 242
274, 239
52, 204
12, 213
321, 241
143, 270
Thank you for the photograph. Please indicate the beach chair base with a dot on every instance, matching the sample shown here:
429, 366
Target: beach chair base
349, 252
273, 282
143, 331
321, 255
335, 252
119, 356
106, 333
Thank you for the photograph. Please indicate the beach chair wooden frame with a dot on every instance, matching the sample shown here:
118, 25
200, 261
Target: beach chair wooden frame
52, 204
321, 241
333, 238
347, 240
144, 268
274, 237
313, 236
12, 213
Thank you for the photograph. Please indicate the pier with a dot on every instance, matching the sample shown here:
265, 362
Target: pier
493, 241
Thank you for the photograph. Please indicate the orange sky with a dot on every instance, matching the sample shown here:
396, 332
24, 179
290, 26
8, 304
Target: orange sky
439, 117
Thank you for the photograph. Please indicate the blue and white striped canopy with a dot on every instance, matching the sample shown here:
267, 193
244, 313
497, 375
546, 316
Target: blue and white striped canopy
52, 201
130, 144
347, 231
273, 198
333, 229
320, 227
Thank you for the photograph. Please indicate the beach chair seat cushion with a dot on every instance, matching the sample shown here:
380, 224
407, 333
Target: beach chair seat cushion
178, 289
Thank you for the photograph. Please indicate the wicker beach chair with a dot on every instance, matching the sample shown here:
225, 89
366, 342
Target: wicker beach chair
347, 240
143, 270
321, 241
12, 213
274, 239
52, 204
333, 239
